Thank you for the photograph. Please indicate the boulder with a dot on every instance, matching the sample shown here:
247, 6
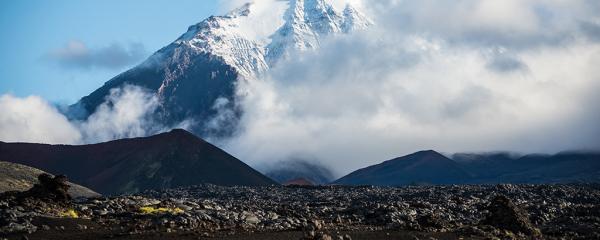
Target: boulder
50, 188
504, 214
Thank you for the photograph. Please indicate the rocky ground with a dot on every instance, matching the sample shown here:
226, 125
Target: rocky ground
329, 212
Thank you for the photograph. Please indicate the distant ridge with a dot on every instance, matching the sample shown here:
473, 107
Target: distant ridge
564, 167
299, 182
430, 167
171, 159
293, 169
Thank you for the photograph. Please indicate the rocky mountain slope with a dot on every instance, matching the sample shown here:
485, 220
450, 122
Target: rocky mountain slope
176, 158
17, 177
195, 76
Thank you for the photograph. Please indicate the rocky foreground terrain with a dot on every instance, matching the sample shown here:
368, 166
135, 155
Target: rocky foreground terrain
328, 212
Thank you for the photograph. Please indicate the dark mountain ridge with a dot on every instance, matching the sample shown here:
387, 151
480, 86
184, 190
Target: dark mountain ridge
172, 159
564, 167
421, 167
430, 167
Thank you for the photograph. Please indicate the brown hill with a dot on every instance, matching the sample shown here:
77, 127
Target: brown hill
17, 177
172, 159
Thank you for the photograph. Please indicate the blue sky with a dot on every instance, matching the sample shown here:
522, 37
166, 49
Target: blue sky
32, 29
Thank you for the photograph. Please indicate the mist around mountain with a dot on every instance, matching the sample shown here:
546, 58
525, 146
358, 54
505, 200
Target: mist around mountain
299, 169
167, 160
195, 77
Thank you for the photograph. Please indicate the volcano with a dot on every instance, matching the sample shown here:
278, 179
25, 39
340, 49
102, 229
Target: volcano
172, 159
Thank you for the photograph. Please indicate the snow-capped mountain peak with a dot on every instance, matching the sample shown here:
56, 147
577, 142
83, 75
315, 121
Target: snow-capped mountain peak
256, 36
195, 76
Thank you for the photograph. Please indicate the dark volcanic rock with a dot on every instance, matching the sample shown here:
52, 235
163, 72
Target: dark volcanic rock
50, 188
504, 214
17, 209
320, 212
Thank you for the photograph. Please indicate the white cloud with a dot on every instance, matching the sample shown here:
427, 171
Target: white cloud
32, 119
77, 55
450, 76
127, 112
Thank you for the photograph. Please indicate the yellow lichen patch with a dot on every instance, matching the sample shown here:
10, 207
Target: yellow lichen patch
176, 210
69, 214
160, 210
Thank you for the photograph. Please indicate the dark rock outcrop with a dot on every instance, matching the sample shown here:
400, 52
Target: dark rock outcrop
504, 214
50, 188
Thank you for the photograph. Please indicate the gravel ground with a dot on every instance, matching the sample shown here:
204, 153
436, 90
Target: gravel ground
329, 212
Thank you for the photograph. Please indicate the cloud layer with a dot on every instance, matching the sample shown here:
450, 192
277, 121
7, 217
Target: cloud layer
77, 55
32, 119
452, 76
127, 112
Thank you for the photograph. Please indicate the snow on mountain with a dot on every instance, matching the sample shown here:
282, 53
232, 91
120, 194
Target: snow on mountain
252, 38
199, 69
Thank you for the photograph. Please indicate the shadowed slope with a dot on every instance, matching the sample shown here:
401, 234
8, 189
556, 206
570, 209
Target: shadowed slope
172, 159
425, 167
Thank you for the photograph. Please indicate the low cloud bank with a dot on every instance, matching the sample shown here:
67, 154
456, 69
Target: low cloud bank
457, 76
127, 112
32, 119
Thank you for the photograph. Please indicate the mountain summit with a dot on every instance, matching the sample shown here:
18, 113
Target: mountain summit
195, 76
424, 167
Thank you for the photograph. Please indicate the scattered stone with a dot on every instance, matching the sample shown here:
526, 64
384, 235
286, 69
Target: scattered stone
325, 212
